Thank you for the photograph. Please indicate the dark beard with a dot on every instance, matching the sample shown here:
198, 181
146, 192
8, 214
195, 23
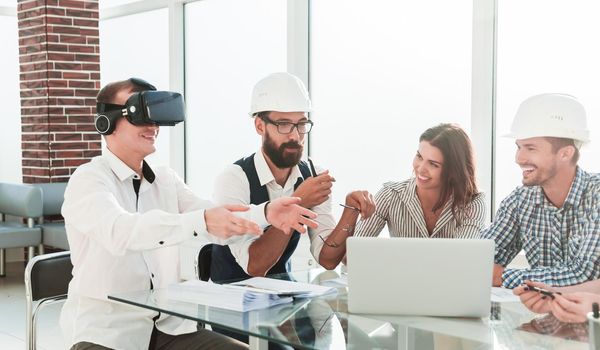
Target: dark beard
277, 155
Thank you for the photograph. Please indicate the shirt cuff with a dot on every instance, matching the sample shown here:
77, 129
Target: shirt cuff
512, 278
194, 223
258, 215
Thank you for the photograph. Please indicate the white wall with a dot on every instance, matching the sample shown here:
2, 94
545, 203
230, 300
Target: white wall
138, 46
380, 77
545, 46
230, 45
10, 131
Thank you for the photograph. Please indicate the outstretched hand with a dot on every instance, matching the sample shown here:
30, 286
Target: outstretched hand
223, 223
286, 214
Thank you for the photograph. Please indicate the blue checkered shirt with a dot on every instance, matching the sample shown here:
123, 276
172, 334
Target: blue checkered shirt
562, 245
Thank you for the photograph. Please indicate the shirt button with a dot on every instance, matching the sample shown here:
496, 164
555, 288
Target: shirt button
161, 242
195, 234
152, 275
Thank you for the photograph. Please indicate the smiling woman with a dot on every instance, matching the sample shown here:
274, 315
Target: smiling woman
441, 200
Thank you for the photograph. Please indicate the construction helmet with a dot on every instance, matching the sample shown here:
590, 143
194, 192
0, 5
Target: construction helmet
551, 115
280, 92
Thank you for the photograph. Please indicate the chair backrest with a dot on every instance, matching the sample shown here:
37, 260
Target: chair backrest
20, 200
53, 195
48, 275
204, 261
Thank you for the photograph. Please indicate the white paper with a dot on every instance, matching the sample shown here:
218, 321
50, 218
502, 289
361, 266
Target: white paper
503, 295
297, 289
341, 281
224, 296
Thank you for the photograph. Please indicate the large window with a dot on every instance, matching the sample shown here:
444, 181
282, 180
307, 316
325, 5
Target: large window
103, 4
545, 46
10, 132
138, 46
382, 73
230, 45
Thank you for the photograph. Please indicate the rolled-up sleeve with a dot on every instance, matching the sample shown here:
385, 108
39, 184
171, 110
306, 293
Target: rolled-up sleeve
504, 230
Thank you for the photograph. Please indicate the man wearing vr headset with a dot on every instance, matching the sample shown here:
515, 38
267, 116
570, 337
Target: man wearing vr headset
124, 220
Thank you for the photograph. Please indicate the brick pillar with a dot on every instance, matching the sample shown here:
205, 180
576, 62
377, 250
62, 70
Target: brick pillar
59, 57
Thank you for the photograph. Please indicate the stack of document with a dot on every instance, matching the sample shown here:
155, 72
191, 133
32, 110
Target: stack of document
285, 288
224, 296
251, 294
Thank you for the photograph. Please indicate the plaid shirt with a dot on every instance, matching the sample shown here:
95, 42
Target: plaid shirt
562, 245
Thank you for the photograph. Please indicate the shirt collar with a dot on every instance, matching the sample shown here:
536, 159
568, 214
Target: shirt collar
577, 188
123, 171
264, 172
575, 192
411, 190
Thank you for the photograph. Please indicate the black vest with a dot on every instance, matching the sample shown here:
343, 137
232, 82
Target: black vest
224, 267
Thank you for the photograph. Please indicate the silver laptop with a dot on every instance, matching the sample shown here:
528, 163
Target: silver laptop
419, 276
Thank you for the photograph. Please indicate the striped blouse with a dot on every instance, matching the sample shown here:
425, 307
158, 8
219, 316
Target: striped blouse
398, 206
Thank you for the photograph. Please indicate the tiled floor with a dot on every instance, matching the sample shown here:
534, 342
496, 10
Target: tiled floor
12, 315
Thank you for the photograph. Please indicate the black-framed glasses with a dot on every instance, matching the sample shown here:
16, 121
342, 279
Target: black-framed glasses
332, 245
285, 127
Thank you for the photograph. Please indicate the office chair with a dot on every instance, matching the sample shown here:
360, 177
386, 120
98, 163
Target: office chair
47, 280
203, 262
54, 234
24, 201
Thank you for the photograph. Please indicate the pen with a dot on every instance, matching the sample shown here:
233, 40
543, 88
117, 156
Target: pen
595, 310
312, 167
542, 291
349, 207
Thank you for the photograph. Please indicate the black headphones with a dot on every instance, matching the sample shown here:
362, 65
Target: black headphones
106, 117
105, 122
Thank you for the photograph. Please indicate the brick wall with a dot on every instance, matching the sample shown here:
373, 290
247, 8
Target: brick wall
59, 57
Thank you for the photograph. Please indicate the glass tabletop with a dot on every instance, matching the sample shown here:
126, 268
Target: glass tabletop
324, 323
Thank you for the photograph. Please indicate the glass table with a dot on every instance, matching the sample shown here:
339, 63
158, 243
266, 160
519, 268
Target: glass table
324, 323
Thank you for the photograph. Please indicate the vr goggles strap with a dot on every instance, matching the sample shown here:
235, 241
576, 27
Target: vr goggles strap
108, 107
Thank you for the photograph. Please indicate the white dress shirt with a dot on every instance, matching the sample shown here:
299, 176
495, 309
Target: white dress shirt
119, 244
232, 186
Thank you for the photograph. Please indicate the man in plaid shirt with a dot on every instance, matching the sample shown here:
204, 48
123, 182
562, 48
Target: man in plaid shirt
555, 216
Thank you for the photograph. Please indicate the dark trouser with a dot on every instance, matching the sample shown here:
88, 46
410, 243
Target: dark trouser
200, 340
245, 339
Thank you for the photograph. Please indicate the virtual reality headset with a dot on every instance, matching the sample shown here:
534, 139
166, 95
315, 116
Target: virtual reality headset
164, 108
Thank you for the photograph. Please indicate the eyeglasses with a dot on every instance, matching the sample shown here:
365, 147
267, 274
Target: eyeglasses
349, 229
332, 245
303, 127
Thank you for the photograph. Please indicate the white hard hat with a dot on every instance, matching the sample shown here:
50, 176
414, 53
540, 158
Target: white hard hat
280, 92
551, 115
